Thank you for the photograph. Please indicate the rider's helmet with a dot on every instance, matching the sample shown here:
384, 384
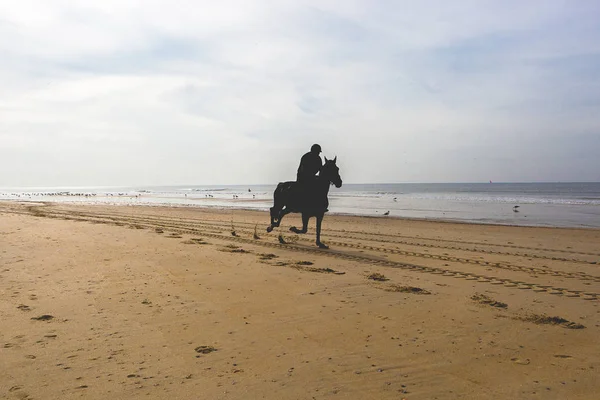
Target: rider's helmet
315, 148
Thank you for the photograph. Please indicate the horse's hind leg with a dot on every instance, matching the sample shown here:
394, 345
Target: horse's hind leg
282, 214
275, 214
275, 211
305, 219
274, 218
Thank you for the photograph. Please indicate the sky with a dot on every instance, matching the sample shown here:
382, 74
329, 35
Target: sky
152, 92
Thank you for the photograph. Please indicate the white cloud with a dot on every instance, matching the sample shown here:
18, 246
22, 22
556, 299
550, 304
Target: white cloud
156, 92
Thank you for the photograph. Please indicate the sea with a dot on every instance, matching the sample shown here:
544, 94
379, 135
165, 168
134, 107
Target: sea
525, 204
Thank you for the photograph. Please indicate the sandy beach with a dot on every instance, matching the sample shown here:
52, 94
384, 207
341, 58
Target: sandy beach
125, 302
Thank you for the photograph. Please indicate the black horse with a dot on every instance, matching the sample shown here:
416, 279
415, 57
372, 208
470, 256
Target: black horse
310, 199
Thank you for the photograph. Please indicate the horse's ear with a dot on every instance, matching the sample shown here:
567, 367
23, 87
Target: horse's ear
326, 159
335, 159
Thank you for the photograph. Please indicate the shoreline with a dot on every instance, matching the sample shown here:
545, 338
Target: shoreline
329, 214
553, 205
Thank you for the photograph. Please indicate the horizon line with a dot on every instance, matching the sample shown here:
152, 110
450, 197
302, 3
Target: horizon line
273, 184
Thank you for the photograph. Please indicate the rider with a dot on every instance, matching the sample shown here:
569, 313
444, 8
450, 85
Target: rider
310, 165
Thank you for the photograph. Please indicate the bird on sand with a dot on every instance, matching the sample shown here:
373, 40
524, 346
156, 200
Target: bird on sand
386, 213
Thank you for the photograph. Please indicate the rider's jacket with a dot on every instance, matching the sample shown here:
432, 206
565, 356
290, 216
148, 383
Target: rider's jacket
310, 164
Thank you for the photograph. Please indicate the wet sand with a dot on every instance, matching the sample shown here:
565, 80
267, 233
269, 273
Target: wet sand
126, 302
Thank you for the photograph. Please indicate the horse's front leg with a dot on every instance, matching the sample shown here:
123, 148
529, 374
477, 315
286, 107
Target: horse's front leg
319, 243
305, 218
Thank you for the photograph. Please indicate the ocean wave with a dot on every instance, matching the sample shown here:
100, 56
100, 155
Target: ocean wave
507, 199
209, 190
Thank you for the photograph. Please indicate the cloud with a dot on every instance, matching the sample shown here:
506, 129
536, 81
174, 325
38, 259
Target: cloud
135, 92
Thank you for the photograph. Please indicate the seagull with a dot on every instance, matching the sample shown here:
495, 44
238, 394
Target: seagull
386, 213
516, 208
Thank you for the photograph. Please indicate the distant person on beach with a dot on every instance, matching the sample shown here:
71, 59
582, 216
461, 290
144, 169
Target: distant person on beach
310, 165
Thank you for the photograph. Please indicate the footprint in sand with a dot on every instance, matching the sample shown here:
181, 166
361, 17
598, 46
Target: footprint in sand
377, 277
233, 249
194, 241
19, 394
406, 289
546, 320
45, 317
486, 300
204, 349
327, 270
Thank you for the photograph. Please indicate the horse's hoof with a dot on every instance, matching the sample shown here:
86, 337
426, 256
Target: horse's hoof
322, 246
269, 228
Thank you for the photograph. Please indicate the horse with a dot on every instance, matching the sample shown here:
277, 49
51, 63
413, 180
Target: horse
309, 199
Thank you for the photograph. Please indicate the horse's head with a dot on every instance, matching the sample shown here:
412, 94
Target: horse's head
331, 172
